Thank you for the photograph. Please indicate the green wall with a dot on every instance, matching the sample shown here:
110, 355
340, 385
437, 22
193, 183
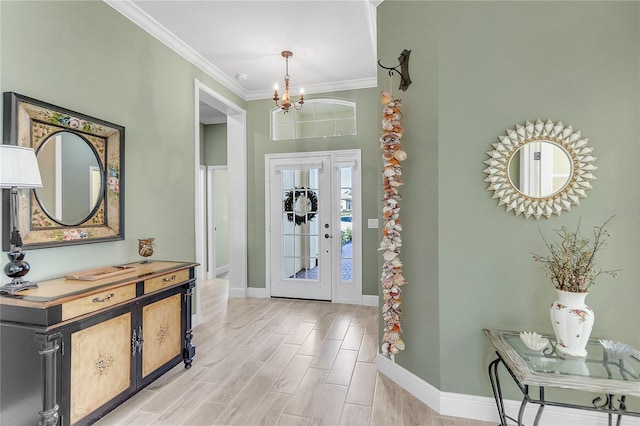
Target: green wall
479, 68
259, 144
215, 144
87, 57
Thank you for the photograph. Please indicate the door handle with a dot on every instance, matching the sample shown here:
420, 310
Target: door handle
327, 236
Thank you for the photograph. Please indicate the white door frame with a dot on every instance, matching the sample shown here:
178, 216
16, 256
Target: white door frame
212, 237
237, 164
339, 294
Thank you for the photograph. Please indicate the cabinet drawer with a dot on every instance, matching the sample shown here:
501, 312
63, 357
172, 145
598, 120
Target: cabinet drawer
98, 301
166, 280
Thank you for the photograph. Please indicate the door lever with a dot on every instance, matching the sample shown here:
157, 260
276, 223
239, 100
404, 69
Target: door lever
327, 236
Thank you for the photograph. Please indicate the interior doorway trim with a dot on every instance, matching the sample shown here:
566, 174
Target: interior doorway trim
237, 173
213, 269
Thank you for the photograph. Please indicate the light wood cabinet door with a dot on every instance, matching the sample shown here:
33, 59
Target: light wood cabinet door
162, 331
100, 365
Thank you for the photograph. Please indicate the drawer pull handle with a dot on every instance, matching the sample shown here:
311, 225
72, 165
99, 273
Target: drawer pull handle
104, 299
167, 280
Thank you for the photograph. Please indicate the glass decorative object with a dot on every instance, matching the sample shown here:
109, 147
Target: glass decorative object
145, 248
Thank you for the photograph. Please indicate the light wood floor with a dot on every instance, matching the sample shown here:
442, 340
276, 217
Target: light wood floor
279, 362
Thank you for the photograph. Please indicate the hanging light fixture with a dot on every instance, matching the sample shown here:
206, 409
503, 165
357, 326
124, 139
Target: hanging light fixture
286, 102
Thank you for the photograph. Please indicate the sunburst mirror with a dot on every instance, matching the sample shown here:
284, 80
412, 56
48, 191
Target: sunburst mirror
540, 169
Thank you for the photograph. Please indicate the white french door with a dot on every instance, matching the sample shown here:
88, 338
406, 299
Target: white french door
313, 222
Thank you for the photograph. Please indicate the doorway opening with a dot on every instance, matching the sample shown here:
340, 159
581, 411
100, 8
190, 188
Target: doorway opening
207, 100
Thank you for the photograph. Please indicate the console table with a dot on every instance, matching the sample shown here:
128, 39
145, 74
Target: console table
615, 379
72, 350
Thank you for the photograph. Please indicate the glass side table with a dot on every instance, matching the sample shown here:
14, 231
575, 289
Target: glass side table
598, 372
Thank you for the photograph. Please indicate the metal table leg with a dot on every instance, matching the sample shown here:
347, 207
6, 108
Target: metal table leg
523, 405
497, 391
540, 408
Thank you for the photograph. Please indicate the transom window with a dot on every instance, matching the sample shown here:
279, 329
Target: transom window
318, 118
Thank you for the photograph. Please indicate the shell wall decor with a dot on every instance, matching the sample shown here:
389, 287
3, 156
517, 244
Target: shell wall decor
577, 183
391, 277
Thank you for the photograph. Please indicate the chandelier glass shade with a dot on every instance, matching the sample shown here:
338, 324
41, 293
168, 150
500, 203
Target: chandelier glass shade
285, 103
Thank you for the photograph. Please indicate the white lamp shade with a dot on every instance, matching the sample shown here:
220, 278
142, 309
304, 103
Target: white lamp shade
18, 167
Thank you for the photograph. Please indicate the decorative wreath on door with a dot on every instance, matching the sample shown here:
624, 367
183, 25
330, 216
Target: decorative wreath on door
291, 201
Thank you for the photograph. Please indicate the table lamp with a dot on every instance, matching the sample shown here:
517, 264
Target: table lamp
18, 169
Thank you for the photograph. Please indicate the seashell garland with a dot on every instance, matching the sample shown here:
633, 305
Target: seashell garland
391, 277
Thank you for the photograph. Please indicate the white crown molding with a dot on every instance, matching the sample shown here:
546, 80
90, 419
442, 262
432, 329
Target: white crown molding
136, 15
153, 27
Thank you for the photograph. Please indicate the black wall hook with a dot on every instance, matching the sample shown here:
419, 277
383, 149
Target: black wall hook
403, 60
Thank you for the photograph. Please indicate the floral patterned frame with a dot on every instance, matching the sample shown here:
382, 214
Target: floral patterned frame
29, 122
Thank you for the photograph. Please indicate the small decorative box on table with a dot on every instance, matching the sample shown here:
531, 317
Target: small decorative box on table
74, 349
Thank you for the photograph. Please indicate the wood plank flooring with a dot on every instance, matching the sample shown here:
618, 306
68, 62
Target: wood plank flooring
279, 362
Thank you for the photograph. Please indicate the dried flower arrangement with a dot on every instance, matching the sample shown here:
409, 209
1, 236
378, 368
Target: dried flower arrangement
571, 263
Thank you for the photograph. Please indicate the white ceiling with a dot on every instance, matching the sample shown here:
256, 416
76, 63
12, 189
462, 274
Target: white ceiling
333, 42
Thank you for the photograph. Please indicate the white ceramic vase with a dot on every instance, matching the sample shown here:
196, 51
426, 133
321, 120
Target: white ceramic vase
572, 322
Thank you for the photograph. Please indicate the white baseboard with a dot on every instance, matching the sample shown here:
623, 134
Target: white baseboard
484, 408
222, 270
413, 384
237, 292
258, 292
369, 300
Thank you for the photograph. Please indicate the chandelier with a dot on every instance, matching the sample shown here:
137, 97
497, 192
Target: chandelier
286, 102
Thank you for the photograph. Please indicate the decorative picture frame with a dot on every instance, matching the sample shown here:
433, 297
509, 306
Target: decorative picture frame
511, 195
32, 123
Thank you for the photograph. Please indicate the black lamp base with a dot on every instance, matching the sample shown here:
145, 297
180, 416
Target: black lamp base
16, 269
17, 285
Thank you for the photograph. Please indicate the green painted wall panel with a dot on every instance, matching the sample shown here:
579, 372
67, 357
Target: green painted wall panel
215, 140
419, 207
492, 65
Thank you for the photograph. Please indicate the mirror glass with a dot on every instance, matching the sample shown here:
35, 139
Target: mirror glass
540, 168
71, 178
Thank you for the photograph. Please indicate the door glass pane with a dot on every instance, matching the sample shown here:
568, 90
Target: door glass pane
346, 221
288, 177
313, 179
287, 227
301, 244
289, 245
288, 267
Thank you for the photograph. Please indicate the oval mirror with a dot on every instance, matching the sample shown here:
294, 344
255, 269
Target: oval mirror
71, 178
540, 168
